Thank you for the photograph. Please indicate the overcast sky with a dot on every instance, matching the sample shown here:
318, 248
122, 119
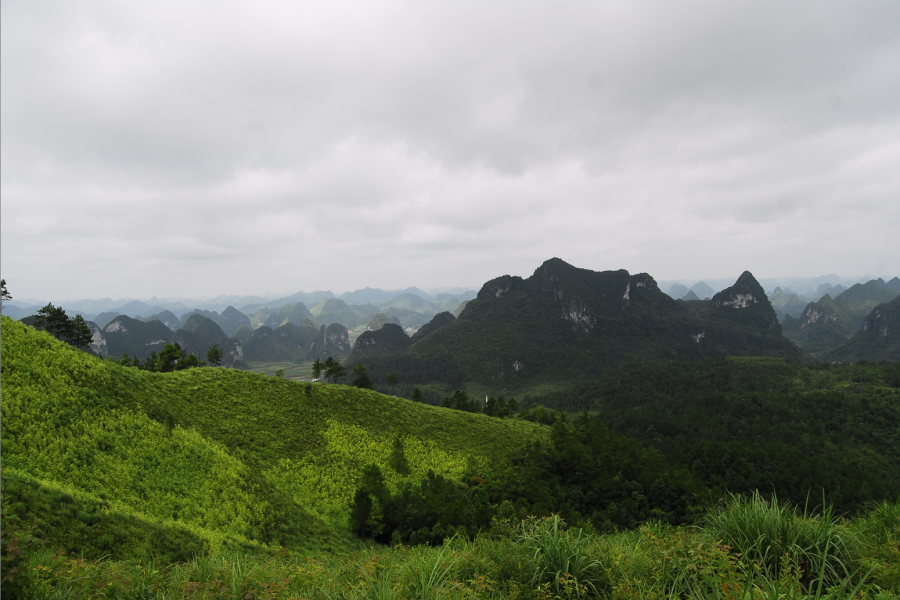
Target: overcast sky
187, 149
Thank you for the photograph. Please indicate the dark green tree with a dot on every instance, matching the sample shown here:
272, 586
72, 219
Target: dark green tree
369, 502
418, 396
392, 381
4, 293
317, 368
398, 457
214, 355
79, 332
361, 378
168, 358
499, 407
461, 401
334, 370
187, 363
55, 321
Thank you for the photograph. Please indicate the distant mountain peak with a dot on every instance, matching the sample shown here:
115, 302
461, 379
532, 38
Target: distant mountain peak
745, 292
499, 287
746, 300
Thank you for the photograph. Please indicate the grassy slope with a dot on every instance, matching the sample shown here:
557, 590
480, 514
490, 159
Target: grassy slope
229, 457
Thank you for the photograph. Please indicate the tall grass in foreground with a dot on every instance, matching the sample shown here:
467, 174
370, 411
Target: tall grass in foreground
772, 537
747, 550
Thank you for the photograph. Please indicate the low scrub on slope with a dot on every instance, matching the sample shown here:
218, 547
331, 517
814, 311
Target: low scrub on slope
228, 457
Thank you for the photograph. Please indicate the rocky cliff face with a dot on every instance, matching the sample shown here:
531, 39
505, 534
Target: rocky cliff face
125, 335
829, 323
98, 342
877, 341
746, 301
333, 341
818, 314
499, 287
878, 321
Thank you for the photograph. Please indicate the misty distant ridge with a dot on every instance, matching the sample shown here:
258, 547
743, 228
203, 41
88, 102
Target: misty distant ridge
829, 317
413, 305
798, 291
810, 287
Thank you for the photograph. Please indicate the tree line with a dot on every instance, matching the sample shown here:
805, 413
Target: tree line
171, 358
586, 474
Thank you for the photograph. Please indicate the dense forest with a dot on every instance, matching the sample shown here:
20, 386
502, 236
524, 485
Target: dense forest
804, 432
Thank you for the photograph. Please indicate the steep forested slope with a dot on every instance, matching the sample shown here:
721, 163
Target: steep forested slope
830, 322
565, 323
756, 423
878, 340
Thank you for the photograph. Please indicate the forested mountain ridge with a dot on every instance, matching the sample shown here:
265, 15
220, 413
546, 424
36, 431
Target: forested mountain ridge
830, 322
878, 340
387, 340
565, 323
297, 343
139, 339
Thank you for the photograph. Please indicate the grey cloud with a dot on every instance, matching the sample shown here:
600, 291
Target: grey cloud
451, 142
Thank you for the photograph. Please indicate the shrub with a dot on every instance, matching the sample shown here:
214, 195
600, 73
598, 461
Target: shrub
561, 556
773, 536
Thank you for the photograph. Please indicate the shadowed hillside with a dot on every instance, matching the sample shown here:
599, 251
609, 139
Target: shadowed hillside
564, 324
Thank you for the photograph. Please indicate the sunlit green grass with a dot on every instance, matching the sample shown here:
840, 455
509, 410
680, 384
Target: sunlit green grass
534, 559
236, 458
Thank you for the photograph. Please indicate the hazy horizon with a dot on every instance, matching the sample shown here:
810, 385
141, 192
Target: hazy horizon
769, 283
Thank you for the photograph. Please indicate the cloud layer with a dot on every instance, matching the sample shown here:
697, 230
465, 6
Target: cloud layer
179, 148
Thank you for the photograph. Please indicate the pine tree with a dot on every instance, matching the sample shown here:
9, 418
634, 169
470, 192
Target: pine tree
361, 378
214, 355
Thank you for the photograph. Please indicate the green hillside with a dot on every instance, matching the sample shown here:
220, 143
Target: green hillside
167, 318
220, 457
125, 335
389, 339
747, 424
878, 340
293, 343
295, 313
232, 319
218, 483
566, 324
439, 320
198, 335
830, 322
